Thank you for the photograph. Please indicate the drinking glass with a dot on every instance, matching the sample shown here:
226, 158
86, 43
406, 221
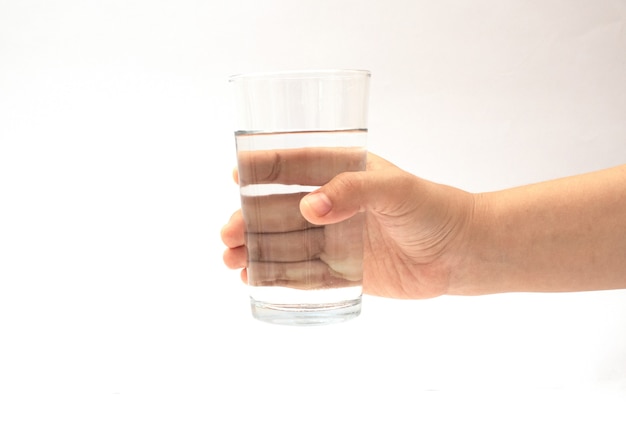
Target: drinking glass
294, 132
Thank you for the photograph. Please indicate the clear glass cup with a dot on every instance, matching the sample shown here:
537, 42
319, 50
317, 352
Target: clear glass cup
294, 132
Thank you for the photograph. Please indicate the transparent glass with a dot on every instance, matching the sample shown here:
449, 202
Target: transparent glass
294, 132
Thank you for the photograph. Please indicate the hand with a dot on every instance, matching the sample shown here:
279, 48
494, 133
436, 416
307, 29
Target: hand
415, 230
281, 247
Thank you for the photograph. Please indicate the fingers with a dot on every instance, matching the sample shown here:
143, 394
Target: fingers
236, 175
384, 190
308, 259
273, 242
303, 166
236, 257
305, 259
274, 213
233, 237
232, 233
286, 247
336, 201
313, 258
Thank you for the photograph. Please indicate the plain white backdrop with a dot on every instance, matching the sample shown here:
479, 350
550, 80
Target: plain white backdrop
116, 152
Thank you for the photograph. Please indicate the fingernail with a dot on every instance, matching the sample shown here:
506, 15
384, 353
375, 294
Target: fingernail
319, 203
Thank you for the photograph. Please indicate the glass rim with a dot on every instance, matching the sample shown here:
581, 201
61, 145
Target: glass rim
301, 74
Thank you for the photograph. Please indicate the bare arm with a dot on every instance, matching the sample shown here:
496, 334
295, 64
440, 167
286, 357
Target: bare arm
562, 235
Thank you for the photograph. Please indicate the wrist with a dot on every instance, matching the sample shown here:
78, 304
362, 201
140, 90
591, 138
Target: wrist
476, 240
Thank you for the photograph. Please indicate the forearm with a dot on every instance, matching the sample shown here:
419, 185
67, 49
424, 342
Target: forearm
562, 235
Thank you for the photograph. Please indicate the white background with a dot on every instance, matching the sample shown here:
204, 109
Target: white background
116, 151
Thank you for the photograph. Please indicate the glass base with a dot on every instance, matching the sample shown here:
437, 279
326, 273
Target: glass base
305, 314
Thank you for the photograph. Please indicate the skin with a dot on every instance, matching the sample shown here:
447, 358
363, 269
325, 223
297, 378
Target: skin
424, 239
282, 247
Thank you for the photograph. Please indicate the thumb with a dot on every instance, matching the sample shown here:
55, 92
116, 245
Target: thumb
344, 196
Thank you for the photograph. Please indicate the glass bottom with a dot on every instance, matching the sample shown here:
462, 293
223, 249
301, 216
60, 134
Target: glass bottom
305, 314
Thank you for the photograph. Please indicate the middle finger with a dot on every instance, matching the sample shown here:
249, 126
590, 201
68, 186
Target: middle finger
285, 247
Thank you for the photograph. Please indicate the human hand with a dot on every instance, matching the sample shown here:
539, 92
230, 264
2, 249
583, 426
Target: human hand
279, 247
415, 230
